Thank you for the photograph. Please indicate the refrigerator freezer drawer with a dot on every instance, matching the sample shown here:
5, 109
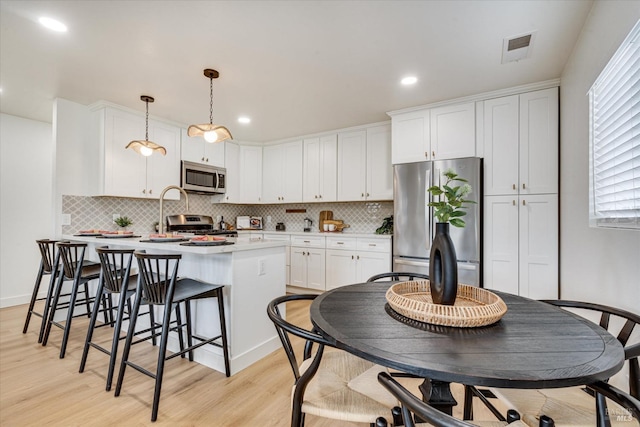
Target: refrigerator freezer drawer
468, 273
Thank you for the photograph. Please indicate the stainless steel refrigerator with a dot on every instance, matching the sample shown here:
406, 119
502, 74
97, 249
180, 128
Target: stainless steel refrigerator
414, 223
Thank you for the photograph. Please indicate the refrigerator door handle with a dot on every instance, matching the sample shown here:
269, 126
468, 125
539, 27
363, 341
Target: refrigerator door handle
428, 210
412, 263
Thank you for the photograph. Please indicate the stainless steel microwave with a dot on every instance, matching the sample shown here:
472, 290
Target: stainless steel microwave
203, 179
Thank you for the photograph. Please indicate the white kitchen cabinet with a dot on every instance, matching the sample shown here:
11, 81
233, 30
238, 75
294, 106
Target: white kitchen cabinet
353, 260
250, 179
320, 160
453, 131
411, 137
521, 144
379, 168
364, 165
127, 173
521, 245
282, 173
282, 238
196, 149
232, 164
308, 262
352, 165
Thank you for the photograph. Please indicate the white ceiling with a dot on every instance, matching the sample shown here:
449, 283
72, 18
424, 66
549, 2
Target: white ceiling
294, 67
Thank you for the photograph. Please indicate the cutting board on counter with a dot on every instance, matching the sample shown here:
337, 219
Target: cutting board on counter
324, 216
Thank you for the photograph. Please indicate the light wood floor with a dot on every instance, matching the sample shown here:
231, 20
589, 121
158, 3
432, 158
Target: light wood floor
39, 388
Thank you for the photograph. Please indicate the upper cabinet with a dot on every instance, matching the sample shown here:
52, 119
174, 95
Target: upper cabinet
196, 149
282, 173
232, 164
319, 169
521, 144
453, 131
447, 132
411, 140
250, 174
127, 173
364, 164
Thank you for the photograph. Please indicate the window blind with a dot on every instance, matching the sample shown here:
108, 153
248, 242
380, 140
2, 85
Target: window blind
615, 139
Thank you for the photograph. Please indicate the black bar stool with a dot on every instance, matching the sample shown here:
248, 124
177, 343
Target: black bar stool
158, 285
47, 252
72, 267
115, 279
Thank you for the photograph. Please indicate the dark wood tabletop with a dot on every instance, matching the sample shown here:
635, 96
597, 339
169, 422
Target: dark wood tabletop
535, 345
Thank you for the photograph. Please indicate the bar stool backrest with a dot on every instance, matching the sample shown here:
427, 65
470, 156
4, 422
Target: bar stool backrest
72, 255
158, 273
116, 265
47, 251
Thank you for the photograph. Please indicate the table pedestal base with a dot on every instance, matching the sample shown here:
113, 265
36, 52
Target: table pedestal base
438, 394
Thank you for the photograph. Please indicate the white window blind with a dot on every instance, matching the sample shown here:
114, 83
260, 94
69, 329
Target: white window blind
615, 139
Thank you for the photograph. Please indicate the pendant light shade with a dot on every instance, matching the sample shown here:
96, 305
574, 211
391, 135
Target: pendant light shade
146, 147
210, 131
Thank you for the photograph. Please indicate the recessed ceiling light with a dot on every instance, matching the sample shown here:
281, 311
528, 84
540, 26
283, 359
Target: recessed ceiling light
52, 24
244, 120
409, 80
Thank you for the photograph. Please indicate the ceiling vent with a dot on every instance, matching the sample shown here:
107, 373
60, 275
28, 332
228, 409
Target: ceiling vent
518, 47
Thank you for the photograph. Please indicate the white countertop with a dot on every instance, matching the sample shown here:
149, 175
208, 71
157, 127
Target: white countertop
319, 233
241, 244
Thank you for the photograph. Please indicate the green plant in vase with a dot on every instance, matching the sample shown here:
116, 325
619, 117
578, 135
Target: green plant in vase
123, 221
451, 199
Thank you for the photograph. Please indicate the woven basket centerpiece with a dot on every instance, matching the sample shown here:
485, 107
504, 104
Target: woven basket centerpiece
474, 306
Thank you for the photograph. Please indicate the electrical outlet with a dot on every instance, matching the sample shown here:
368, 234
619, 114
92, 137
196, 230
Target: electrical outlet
65, 219
261, 271
115, 216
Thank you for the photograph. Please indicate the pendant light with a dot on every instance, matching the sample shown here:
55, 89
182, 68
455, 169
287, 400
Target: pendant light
146, 147
210, 132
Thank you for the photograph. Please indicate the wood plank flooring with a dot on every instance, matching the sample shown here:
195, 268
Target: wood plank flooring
39, 388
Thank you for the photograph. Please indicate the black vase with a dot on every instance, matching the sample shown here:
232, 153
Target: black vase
443, 267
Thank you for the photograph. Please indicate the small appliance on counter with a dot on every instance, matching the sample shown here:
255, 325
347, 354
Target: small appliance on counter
280, 226
249, 223
308, 222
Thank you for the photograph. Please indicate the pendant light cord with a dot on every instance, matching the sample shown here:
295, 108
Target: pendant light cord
146, 123
210, 100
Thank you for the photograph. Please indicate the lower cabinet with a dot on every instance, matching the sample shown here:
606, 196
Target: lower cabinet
283, 238
521, 245
308, 262
353, 260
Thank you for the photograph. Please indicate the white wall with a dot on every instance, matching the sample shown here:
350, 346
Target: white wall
597, 265
26, 171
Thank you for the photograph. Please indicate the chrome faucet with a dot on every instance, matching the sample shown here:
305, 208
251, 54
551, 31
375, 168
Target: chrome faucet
170, 187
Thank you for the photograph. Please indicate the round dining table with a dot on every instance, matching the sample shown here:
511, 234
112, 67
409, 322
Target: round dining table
534, 345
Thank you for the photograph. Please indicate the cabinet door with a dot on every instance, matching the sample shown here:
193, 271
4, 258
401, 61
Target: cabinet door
251, 174
311, 170
411, 140
214, 153
291, 170
501, 145
298, 267
352, 162
163, 171
315, 269
232, 164
341, 268
453, 131
191, 148
125, 170
328, 190
538, 245
501, 243
379, 168
371, 263
272, 174
539, 142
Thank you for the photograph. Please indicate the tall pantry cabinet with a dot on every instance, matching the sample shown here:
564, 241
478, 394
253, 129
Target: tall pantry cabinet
521, 194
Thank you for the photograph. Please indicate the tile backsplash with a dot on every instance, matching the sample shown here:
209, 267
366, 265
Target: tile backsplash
97, 212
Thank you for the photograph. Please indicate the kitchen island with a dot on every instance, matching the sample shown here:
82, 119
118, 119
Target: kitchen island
253, 273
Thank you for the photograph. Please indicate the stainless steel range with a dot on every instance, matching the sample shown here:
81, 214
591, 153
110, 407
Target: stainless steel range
196, 224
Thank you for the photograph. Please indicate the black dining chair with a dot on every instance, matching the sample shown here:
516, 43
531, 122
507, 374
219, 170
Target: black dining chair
47, 249
573, 405
159, 285
331, 384
397, 276
415, 412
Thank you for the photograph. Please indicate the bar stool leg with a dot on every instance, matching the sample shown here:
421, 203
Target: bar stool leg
47, 302
187, 310
52, 307
133, 316
34, 297
124, 297
179, 329
92, 323
67, 325
164, 338
223, 331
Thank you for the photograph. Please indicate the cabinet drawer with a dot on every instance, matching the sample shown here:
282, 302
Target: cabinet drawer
338, 242
308, 241
374, 245
279, 237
